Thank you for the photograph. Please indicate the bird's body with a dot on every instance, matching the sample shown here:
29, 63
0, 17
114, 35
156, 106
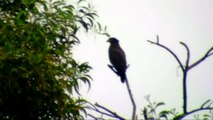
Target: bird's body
117, 58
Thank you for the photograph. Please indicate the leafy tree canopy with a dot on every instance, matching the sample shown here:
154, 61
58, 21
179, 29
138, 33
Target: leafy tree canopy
38, 74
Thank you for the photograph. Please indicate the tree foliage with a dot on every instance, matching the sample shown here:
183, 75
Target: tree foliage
38, 75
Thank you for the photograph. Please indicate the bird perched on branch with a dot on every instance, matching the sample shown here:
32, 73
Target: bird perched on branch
117, 58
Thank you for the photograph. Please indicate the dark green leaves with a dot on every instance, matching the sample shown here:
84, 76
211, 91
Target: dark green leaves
38, 75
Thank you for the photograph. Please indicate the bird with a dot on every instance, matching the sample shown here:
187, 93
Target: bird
117, 58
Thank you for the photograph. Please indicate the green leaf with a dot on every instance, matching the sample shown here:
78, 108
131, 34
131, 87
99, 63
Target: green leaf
84, 24
37, 68
163, 114
159, 104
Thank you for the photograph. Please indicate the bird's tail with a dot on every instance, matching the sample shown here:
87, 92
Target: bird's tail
123, 77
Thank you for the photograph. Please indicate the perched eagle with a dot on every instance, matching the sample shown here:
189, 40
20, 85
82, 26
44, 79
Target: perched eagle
117, 58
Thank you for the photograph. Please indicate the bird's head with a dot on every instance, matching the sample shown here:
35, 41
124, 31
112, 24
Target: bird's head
112, 40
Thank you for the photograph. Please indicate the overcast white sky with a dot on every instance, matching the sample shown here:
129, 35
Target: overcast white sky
152, 69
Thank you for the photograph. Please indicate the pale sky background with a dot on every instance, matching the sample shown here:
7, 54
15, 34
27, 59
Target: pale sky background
153, 71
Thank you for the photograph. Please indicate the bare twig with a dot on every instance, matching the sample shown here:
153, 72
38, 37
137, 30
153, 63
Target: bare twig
193, 111
95, 118
158, 40
185, 68
129, 91
188, 55
103, 111
185, 78
132, 100
208, 53
202, 106
181, 66
115, 115
170, 51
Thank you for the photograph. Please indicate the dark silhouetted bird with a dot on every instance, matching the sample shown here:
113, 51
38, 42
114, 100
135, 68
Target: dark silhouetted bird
117, 58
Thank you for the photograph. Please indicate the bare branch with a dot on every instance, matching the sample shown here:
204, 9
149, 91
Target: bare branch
95, 118
106, 111
110, 113
170, 51
132, 100
184, 70
129, 91
208, 53
158, 39
196, 110
205, 103
188, 55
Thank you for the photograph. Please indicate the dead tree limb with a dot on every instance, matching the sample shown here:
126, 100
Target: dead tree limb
185, 68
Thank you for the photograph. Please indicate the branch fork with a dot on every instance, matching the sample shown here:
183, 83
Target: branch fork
185, 67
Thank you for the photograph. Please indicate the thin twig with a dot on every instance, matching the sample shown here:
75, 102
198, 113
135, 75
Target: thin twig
129, 91
208, 53
188, 55
196, 110
110, 113
170, 51
202, 106
103, 111
132, 100
185, 71
95, 118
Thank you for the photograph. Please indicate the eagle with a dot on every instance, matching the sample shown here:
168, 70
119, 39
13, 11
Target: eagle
117, 58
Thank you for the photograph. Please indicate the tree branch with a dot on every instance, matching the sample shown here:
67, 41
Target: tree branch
202, 106
132, 100
193, 111
169, 50
95, 118
98, 108
208, 53
185, 78
188, 55
109, 111
184, 70
129, 91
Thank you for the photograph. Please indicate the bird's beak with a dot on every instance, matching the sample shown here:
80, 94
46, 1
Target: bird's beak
108, 40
